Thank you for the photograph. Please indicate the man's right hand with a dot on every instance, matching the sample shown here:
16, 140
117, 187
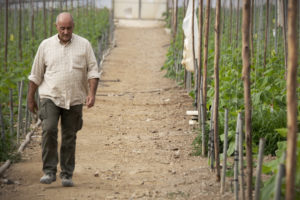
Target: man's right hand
32, 105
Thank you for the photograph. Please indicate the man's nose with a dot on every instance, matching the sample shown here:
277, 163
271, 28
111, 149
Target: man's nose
66, 31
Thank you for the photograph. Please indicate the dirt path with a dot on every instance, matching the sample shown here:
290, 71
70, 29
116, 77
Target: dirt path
135, 143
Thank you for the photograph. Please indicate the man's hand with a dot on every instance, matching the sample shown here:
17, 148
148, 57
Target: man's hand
32, 106
90, 101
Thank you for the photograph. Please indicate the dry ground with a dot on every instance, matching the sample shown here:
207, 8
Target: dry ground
136, 141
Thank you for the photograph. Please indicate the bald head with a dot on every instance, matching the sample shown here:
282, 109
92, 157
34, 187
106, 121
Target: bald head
64, 17
64, 26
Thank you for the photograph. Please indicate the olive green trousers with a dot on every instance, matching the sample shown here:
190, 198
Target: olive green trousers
71, 122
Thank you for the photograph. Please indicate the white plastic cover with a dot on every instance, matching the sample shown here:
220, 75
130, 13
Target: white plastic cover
187, 60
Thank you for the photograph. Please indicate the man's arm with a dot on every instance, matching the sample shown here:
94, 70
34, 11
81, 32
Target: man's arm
32, 106
93, 84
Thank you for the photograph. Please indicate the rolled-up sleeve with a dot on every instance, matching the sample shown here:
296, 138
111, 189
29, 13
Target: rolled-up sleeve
92, 66
38, 67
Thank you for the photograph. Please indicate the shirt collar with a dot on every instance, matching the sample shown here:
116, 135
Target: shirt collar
58, 40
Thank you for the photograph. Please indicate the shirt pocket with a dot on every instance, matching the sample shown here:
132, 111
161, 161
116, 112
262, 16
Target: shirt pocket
78, 62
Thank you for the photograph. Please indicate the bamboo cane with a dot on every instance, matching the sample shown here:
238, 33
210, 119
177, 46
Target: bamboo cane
205, 53
292, 99
51, 17
284, 37
247, 93
224, 152
6, 36
2, 124
11, 112
20, 32
266, 34
216, 78
241, 154
276, 24
278, 182
211, 139
237, 23
259, 167
20, 111
236, 161
26, 118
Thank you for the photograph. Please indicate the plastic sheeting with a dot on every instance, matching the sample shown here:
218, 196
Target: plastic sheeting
187, 60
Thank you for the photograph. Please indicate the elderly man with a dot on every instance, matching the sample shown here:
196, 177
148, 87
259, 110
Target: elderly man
66, 73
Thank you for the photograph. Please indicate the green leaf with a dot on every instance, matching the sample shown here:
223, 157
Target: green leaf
282, 131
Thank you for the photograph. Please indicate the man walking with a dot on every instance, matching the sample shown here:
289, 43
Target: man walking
66, 73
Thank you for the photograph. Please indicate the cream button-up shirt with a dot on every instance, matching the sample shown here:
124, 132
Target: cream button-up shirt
62, 70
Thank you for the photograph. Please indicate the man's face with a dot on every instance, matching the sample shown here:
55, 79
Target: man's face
65, 28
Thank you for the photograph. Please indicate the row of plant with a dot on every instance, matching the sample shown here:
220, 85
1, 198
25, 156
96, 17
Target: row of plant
91, 23
268, 86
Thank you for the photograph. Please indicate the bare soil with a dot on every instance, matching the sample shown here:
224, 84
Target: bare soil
135, 143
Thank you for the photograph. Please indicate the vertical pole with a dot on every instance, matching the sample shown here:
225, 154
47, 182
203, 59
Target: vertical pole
278, 182
276, 24
20, 111
51, 17
175, 19
292, 85
32, 26
44, 19
200, 107
284, 36
241, 160
211, 139
224, 152
230, 25
237, 22
259, 167
6, 36
11, 112
247, 93
216, 77
251, 28
205, 59
266, 34
236, 160
20, 31
2, 124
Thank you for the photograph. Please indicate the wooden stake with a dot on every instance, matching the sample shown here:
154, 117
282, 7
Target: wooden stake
266, 34
20, 31
236, 160
20, 111
216, 77
278, 182
211, 139
205, 59
247, 93
2, 124
51, 17
230, 25
237, 23
258, 169
284, 37
11, 112
6, 36
241, 160
251, 29
292, 85
224, 152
